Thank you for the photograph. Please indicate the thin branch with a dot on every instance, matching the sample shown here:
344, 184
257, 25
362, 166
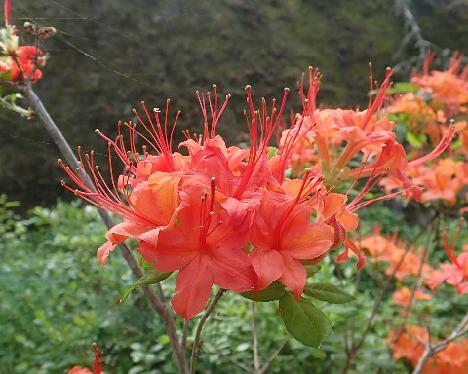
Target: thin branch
356, 346
430, 349
275, 354
201, 323
416, 283
157, 302
185, 331
256, 360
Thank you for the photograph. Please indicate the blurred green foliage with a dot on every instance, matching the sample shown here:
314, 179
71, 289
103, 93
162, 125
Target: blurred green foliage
56, 300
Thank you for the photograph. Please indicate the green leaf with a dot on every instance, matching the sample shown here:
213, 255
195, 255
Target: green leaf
145, 265
145, 280
403, 87
306, 323
416, 141
328, 292
312, 269
274, 291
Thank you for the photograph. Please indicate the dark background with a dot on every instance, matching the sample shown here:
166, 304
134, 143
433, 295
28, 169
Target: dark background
110, 54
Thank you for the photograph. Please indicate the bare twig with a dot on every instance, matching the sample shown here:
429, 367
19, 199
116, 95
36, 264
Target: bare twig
356, 346
201, 323
256, 360
431, 349
416, 283
157, 302
185, 331
275, 354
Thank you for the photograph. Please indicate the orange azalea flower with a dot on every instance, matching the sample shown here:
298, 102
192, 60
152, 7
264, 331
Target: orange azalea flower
196, 213
364, 136
79, 370
283, 239
419, 113
192, 214
443, 180
402, 296
449, 87
410, 345
23, 66
206, 246
97, 365
387, 250
455, 273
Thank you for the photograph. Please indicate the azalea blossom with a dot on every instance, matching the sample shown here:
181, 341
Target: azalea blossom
449, 87
97, 365
455, 273
402, 263
205, 211
403, 295
21, 62
410, 345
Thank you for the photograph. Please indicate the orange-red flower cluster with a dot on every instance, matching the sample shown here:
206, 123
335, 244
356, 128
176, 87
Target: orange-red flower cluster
442, 97
18, 62
347, 146
218, 215
448, 88
401, 262
25, 64
443, 180
402, 296
410, 345
455, 273
230, 217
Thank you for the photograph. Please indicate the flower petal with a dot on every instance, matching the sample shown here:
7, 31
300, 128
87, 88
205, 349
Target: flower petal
294, 275
193, 288
104, 251
232, 269
269, 266
308, 242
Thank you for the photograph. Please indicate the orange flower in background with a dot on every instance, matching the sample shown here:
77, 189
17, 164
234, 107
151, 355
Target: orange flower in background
79, 370
455, 273
449, 87
348, 146
388, 250
24, 66
444, 180
420, 115
402, 296
97, 365
409, 345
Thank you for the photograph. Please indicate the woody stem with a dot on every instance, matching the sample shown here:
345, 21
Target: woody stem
197, 340
156, 299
